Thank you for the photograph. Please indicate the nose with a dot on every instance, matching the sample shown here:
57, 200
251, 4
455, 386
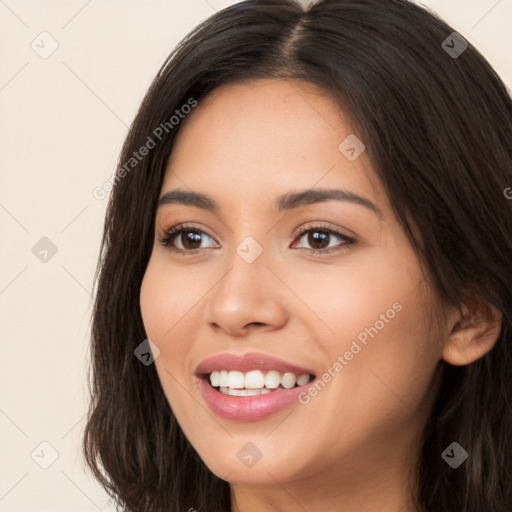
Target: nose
248, 297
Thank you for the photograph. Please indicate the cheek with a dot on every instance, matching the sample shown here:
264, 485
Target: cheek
170, 299
166, 297
365, 293
152, 303
164, 308
388, 357
377, 320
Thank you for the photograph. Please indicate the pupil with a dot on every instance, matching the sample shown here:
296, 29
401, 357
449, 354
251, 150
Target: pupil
192, 238
318, 236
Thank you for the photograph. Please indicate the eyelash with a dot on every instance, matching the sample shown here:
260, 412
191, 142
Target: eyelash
172, 233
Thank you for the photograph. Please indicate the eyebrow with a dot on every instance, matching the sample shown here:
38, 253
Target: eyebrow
287, 201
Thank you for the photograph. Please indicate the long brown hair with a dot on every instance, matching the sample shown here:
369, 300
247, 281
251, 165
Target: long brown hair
438, 129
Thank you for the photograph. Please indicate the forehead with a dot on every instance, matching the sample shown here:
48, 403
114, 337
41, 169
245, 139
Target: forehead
268, 135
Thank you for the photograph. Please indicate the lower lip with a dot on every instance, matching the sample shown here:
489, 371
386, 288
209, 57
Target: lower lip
249, 408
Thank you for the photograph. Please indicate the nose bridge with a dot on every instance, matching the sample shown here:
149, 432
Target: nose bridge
245, 294
246, 280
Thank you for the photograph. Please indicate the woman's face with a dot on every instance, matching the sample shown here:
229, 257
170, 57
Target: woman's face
350, 308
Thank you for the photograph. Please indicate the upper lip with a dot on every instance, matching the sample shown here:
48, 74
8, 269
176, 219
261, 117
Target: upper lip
248, 362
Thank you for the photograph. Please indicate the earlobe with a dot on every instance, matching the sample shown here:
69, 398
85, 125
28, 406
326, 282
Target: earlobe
473, 334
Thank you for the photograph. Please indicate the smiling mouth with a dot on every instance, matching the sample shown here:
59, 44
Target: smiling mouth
255, 382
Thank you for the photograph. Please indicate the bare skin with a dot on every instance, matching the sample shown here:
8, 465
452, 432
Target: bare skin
353, 446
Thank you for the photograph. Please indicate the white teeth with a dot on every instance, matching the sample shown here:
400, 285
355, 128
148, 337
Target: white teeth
255, 382
236, 380
224, 379
215, 378
288, 380
272, 379
302, 379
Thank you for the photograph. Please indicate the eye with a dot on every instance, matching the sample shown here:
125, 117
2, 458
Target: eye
320, 238
193, 241
190, 240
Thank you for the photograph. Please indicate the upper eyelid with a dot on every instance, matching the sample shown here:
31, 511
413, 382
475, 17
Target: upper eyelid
318, 224
184, 226
320, 227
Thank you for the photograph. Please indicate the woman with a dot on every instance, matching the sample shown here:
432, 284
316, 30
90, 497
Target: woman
304, 296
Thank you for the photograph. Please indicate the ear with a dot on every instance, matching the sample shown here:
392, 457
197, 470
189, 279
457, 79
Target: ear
474, 333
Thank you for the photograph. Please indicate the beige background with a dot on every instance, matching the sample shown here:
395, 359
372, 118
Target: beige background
62, 123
